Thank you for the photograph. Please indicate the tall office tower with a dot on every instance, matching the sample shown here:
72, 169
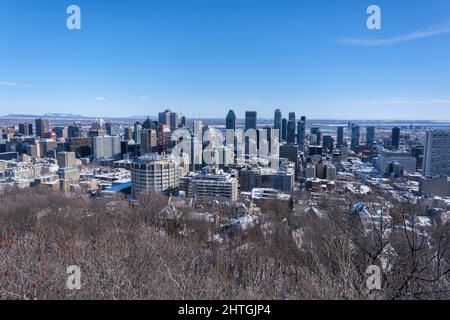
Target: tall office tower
106, 147
301, 134
251, 120
61, 132
149, 141
356, 136
316, 131
164, 117
266, 140
164, 139
284, 129
231, 121
340, 137
183, 122
418, 153
395, 137
437, 153
277, 120
137, 133
328, 143
66, 159
370, 136
42, 126
128, 133
74, 131
350, 126
291, 132
26, 129
108, 126
292, 116
149, 174
173, 121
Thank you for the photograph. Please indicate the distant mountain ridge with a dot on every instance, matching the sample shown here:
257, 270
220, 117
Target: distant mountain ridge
48, 116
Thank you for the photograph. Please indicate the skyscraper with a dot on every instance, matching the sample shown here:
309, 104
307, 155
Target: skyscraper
26, 129
395, 137
291, 131
128, 133
370, 136
137, 133
316, 131
149, 141
284, 129
108, 128
437, 153
328, 143
340, 137
173, 121
301, 134
231, 120
292, 116
164, 117
183, 122
355, 136
251, 120
277, 120
106, 147
42, 126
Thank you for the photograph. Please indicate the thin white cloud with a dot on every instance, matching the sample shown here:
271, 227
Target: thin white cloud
403, 101
14, 84
99, 98
397, 39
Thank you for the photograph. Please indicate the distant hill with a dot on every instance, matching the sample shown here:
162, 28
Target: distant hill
47, 116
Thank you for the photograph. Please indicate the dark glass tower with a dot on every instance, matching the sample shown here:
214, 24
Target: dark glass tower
395, 137
340, 137
251, 120
231, 120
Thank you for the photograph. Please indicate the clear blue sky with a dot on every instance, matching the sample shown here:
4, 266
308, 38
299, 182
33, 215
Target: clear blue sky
202, 57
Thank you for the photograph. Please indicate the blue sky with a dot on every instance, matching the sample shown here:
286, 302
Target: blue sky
203, 57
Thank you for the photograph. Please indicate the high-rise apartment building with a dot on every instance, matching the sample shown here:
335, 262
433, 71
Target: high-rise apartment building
106, 147
213, 184
437, 153
154, 174
66, 159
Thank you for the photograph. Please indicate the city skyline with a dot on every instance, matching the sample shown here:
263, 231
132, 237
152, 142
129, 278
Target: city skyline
202, 58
